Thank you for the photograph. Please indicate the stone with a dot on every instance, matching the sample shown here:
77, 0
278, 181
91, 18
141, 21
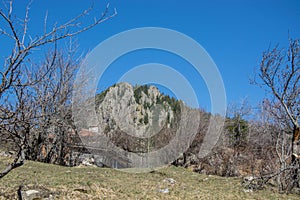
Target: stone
98, 160
252, 183
30, 194
169, 180
164, 191
249, 178
88, 162
3, 154
247, 190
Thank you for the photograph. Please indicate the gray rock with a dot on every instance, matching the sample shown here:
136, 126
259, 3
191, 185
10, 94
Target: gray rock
87, 160
3, 154
164, 191
30, 194
247, 190
169, 180
252, 183
249, 178
98, 160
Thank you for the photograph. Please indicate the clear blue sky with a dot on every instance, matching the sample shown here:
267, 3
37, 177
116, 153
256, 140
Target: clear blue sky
234, 33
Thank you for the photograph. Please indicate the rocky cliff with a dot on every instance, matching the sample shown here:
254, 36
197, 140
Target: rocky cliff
137, 118
140, 111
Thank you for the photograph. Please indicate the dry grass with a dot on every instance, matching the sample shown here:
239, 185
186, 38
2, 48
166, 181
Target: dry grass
101, 183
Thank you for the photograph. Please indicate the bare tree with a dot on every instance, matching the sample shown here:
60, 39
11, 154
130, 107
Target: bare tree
237, 125
17, 125
52, 103
27, 89
279, 75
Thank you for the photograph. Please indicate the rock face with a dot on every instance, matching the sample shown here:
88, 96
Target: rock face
136, 119
138, 111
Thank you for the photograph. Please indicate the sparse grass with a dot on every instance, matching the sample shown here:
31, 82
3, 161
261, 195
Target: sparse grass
102, 183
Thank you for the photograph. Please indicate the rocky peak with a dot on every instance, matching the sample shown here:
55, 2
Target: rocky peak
139, 111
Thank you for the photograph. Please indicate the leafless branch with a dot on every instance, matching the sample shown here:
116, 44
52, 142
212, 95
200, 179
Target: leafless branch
35, 98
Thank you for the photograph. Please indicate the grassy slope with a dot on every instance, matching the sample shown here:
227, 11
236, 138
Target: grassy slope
102, 183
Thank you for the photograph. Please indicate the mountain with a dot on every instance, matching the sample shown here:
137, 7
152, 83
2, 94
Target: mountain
140, 110
137, 126
134, 116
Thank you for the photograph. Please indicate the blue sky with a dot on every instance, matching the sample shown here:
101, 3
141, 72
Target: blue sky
234, 33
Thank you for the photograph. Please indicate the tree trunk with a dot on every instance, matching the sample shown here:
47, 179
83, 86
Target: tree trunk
295, 156
19, 161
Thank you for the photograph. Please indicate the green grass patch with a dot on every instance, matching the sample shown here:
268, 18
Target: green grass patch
103, 183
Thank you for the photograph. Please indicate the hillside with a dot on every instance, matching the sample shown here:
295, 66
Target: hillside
134, 121
102, 183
